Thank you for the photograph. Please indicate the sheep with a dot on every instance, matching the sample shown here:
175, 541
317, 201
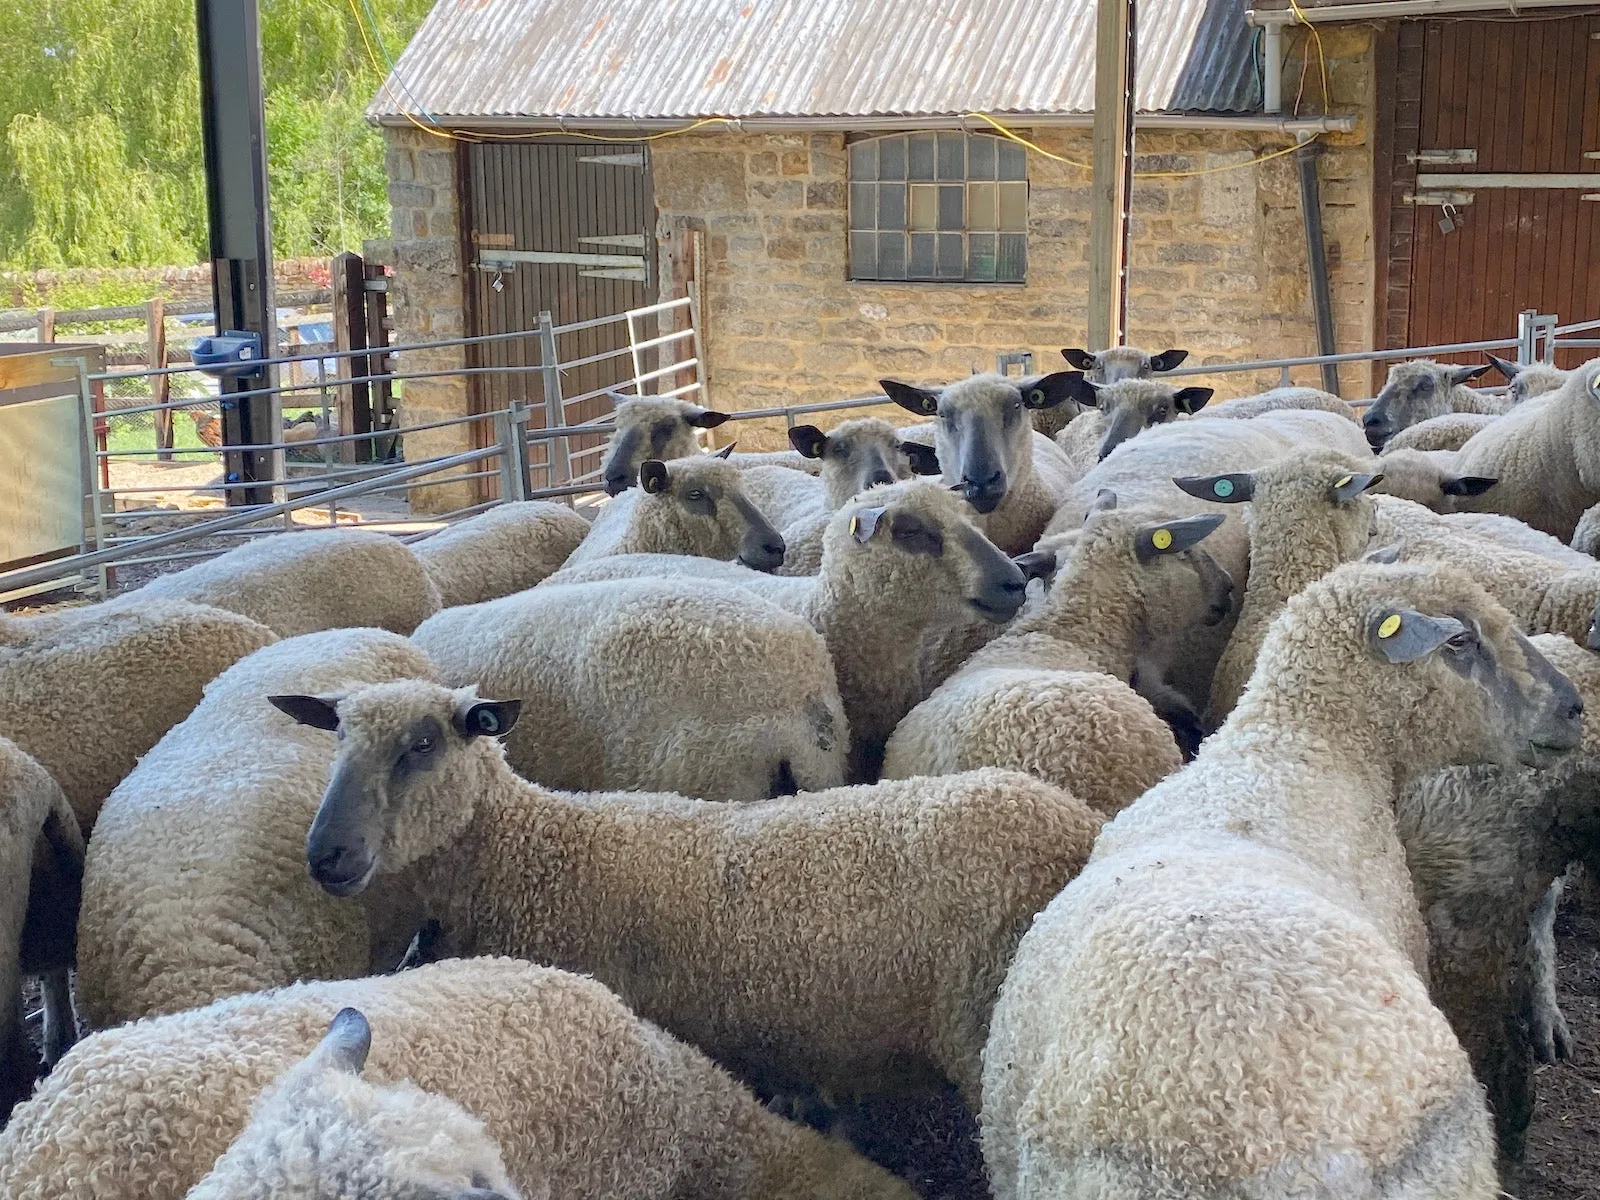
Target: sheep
598, 661
1247, 407
1108, 366
662, 428
41, 869
1586, 533
986, 445
88, 690
903, 570
908, 895
1448, 432
1420, 389
1527, 380
581, 1096
1123, 409
321, 1132
296, 583
1228, 1000
195, 886
856, 455
1429, 478
506, 549
686, 506
1055, 694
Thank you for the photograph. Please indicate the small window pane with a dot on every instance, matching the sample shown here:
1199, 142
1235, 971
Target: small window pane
863, 256
864, 160
892, 158
981, 206
980, 157
924, 206
952, 156
1013, 162
952, 208
922, 156
863, 206
980, 257
1012, 264
951, 265
1014, 207
891, 256
922, 256
891, 206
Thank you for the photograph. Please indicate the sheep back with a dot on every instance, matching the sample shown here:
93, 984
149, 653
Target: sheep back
511, 547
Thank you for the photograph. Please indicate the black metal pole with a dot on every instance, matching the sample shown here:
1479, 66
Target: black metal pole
233, 123
1317, 259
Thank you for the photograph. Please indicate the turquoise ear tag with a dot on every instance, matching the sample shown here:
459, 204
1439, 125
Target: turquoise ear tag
1223, 487
488, 722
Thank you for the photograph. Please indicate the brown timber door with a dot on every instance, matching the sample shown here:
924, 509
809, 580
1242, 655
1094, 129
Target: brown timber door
584, 208
1508, 120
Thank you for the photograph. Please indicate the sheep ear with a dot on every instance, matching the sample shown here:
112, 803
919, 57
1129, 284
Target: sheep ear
1089, 393
924, 459
1403, 635
653, 476
1081, 359
706, 418
1105, 500
1509, 369
808, 440
1047, 391
486, 718
1224, 489
1458, 375
864, 522
1383, 554
319, 712
1167, 360
1467, 485
1036, 564
1170, 537
725, 451
920, 400
346, 1044
1347, 487
1192, 399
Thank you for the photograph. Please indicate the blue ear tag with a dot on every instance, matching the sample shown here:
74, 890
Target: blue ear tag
1223, 487
487, 721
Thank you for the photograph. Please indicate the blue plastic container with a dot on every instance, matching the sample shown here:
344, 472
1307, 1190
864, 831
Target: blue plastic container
232, 354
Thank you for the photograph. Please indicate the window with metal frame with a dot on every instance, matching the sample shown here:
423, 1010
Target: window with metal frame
939, 208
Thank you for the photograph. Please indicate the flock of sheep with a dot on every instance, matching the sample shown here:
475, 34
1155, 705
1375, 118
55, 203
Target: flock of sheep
1190, 785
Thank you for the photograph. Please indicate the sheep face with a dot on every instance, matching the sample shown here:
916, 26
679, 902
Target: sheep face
860, 454
322, 1132
1428, 477
1527, 380
918, 526
1136, 404
700, 502
1123, 362
651, 427
983, 434
1414, 391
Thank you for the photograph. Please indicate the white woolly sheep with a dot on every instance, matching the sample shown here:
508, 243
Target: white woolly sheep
1243, 408
903, 570
1449, 432
686, 506
1586, 534
1527, 380
1055, 694
579, 1094
1420, 389
1431, 478
321, 1132
88, 690
195, 886
704, 690
987, 446
907, 895
1108, 366
1122, 410
506, 549
666, 427
1229, 999
41, 870
296, 583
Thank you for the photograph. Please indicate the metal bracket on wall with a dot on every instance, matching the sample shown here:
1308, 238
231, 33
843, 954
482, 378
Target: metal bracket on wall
1439, 199
1442, 158
591, 266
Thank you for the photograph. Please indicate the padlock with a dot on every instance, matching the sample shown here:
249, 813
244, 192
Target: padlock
1448, 222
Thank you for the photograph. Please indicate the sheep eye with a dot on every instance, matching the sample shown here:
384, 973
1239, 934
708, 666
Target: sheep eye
1460, 641
423, 745
694, 494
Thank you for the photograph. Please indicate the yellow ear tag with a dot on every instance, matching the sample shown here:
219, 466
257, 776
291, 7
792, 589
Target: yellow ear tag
1161, 539
855, 523
1343, 481
1389, 626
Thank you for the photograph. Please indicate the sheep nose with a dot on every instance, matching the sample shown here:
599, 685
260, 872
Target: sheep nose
616, 484
783, 781
985, 494
1575, 711
877, 477
326, 865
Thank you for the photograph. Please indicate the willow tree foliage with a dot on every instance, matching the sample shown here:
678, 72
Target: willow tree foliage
100, 159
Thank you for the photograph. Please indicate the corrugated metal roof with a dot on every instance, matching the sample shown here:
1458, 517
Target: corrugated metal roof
547, 60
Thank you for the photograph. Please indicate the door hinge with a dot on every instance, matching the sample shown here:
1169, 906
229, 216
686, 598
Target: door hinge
1442, 158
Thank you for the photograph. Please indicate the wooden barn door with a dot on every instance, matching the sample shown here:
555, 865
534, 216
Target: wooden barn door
1508, 131
563, 227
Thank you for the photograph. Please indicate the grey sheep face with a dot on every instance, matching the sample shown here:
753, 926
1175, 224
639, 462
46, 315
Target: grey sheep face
860, 454
1123, 362
1414, 391
982, 426
922, 527
651, 427
701, 501
1132, 405
1527, 380
410, 756
321, 1132
1429, 478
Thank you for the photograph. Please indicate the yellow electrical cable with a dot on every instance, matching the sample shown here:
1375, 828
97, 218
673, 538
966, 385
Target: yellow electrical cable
1322, 59
1014, 136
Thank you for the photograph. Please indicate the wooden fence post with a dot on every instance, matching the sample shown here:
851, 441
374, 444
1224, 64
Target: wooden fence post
350, 333
47, 325
155, 322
